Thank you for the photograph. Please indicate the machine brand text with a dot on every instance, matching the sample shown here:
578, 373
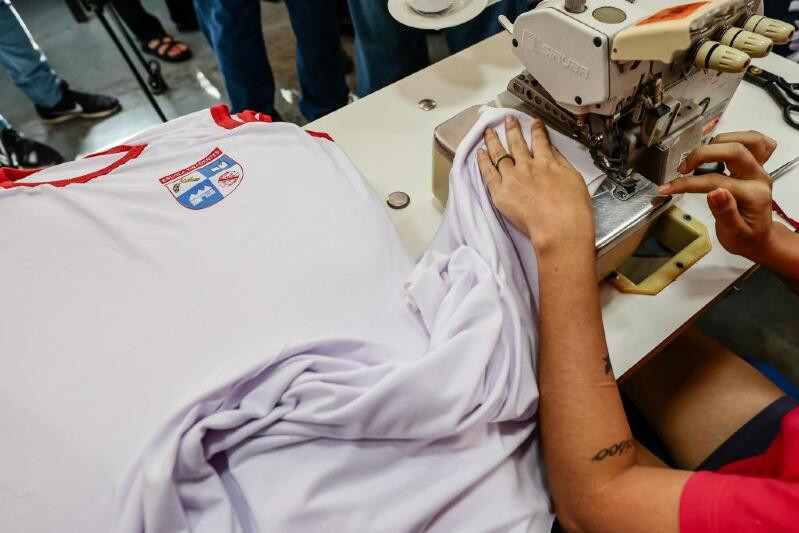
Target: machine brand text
534, 43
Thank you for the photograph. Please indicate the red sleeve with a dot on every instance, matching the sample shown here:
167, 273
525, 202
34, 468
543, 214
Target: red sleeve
712, 502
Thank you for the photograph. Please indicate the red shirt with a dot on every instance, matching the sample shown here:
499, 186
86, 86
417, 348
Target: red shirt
760, 493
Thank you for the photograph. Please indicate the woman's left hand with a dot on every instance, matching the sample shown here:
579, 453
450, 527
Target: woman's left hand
540, 193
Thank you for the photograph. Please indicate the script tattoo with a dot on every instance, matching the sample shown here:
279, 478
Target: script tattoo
608, 366
612, 451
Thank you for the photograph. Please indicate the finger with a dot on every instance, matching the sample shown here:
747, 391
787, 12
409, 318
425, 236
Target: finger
700, 184
490, 175
540, 140
516, 142
493, 144
496, 150
761, 146
739, 160
725, 210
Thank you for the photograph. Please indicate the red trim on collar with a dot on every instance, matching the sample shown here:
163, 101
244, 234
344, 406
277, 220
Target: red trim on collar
221, 115
9, 177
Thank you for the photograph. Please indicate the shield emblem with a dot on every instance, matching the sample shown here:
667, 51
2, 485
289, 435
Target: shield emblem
206, 182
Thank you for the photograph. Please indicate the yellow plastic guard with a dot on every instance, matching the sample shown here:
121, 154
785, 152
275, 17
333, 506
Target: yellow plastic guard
680, 233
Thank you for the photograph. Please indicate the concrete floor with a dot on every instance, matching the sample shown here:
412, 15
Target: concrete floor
85, 57
759, 321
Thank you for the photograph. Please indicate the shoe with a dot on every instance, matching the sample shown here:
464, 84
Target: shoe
75, 104
164, 45
18, 152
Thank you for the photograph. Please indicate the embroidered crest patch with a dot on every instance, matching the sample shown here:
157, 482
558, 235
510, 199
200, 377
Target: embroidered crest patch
206, 182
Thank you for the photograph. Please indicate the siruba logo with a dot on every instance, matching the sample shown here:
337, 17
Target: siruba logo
536, 44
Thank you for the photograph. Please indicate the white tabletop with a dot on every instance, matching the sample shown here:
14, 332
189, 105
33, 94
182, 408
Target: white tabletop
390, 139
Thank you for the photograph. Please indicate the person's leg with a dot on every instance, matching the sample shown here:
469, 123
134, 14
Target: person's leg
24, 61
696, 394
29, 71
143, 25
789, 12
320, 64
484, 25
385, 50
182, 14
233, 28
149, 31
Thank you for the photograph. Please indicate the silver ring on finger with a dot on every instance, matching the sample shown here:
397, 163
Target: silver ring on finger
500, 158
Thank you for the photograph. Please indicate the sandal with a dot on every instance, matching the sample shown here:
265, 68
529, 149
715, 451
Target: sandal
163, 45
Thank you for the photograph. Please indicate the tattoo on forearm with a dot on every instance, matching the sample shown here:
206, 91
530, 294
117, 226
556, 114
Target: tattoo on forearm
612, 451
608, 366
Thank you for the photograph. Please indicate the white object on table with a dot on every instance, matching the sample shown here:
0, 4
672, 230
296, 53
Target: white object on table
390, 138
462, 11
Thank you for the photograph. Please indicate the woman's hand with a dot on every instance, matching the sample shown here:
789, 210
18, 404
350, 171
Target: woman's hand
539, 193
741, 202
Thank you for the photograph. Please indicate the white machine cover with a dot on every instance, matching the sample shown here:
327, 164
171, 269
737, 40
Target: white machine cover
215, 328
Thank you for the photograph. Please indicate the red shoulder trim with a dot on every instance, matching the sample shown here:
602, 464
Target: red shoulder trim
320, 134
221, 115
9, 177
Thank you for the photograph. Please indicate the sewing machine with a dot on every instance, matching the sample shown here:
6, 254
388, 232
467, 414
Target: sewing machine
640, 84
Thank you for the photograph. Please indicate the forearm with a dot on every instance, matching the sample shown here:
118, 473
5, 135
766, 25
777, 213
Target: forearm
585, 436
782, 255
587, 444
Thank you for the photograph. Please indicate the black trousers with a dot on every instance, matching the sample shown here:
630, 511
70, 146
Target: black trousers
144, 25
782, 11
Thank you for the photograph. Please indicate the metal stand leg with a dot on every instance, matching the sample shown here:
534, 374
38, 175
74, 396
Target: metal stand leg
152, 67
155, 83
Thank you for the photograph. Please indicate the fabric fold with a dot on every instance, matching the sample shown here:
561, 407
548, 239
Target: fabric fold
359, 433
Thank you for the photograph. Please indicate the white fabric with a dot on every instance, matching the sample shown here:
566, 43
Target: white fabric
467, 193
304, 375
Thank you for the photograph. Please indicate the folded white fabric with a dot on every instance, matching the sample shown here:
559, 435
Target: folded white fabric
468, 220
354, 434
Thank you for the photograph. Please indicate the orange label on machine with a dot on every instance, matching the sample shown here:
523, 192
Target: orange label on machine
673, 13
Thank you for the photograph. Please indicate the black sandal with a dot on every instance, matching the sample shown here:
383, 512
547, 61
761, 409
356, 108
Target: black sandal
166, 43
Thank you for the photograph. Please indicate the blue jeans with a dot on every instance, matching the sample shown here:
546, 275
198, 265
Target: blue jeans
387, 51
233, 28
25, 62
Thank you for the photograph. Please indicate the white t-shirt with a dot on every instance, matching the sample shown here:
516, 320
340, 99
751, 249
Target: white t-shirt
216, 328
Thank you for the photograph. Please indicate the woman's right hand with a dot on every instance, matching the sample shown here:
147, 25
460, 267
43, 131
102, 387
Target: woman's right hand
741, 202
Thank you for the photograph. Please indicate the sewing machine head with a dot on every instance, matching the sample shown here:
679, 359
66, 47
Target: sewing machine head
639, 83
